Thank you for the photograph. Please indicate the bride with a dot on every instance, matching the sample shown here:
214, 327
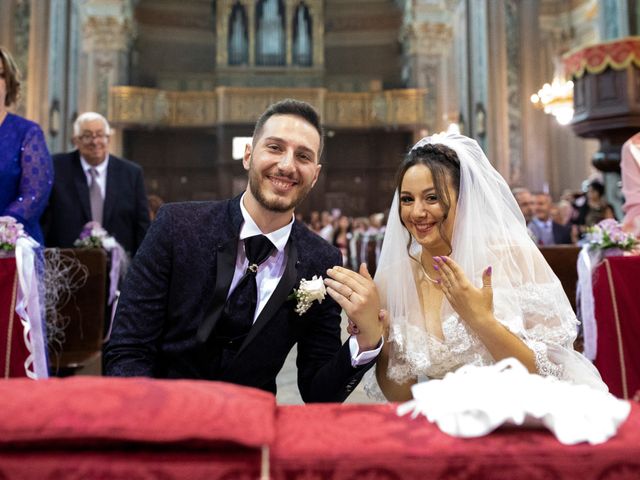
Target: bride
459, 277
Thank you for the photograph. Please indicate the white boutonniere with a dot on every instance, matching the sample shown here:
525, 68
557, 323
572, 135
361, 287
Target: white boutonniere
307, 292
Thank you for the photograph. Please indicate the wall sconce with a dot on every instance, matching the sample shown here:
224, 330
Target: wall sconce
54, 118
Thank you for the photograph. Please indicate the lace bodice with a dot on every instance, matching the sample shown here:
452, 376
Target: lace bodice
419, 355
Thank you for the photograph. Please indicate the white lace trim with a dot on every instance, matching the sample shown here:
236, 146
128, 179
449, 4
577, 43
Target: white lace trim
545, 367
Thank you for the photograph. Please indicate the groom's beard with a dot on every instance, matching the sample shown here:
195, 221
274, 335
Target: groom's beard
259, 187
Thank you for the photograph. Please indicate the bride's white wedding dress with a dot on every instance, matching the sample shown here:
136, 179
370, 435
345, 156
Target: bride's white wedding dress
489, 230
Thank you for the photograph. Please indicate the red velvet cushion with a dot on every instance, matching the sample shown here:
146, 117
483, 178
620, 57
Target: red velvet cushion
101, 410
345, 442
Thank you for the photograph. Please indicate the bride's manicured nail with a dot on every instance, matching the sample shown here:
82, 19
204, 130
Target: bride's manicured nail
489, 270
435, 267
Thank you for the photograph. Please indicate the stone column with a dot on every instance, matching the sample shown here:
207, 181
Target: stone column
427, 41
106, 33
37, 107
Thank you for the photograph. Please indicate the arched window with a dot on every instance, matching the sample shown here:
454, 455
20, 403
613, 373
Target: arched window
238, 43
302, 39
270, 33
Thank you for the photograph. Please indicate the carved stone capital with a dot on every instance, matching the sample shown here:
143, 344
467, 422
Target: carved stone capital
427, 38
107, 25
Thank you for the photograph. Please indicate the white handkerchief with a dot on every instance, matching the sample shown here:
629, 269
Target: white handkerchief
474, 401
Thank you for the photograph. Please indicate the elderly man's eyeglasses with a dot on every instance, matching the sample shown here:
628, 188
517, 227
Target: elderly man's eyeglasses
89, 137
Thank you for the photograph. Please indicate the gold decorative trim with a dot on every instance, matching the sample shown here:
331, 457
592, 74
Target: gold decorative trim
614, 302
12, 311
264, 463
148, 107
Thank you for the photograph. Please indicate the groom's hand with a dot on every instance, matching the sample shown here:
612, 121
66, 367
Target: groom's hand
358, 296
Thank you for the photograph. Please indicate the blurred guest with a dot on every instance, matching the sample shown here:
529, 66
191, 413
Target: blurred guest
360, 225
595, 208
342, 237
155, 202
542, 225
630, 167
26, 173
314, 221
564, 211
92, 184
525, 202
326, 231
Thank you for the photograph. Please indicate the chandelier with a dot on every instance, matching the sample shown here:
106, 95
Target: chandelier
556, 99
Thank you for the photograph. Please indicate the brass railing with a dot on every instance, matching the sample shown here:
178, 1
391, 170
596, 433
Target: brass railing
148, 107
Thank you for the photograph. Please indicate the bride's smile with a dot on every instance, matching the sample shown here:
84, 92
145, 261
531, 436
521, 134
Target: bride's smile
423, 212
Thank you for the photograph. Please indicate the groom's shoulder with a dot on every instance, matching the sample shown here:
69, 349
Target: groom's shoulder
193, 211
313, 247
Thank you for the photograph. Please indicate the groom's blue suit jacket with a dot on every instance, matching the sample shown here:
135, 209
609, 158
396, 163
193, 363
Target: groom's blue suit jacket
180, 278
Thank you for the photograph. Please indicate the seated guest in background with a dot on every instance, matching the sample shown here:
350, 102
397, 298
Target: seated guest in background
155, 202
630, 167
595, 207
342, 237
207, 296
26, 173
462, 282
327, 221
547, 231
91, 184
525, 202
562, 212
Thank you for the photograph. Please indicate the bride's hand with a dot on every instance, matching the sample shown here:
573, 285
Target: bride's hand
471, 303
358, 296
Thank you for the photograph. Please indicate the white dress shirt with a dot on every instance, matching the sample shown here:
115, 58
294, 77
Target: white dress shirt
102, 173
271, 270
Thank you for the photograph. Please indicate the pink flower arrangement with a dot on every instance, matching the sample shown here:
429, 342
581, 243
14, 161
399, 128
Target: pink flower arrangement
10, 231
609, 234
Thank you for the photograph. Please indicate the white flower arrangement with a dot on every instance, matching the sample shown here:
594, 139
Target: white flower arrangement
308, 292
94, 236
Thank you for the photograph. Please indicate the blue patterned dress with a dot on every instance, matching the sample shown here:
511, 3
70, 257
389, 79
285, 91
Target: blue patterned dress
26, 173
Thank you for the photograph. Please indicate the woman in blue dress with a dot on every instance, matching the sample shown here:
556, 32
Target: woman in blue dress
26, 171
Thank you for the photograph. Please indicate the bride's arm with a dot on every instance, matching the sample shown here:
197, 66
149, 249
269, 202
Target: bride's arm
475, 307
501, 343
393, 391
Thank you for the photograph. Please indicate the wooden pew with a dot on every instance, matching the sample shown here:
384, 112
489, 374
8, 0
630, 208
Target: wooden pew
84, 315
563, 260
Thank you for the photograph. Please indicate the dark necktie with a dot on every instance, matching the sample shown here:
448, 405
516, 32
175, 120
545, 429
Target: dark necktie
237, 316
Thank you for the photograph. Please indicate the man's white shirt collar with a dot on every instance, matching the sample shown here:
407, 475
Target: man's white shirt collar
249, 228
100, 168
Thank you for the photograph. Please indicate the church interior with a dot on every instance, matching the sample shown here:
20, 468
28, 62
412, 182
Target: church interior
180, 79
549, 89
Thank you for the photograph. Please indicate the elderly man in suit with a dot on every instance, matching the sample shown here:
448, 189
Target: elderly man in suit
91, 184
180, 314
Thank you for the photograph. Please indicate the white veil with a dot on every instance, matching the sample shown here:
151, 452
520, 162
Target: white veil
489, 230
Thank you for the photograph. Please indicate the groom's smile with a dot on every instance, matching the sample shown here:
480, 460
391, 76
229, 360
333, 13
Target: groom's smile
283, 163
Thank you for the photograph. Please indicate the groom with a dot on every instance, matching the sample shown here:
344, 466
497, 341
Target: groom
208, 297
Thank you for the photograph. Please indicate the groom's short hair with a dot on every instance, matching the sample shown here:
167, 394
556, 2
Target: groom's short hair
290, 106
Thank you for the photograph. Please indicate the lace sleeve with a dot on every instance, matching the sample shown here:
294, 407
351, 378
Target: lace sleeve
36, 179
545, 319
